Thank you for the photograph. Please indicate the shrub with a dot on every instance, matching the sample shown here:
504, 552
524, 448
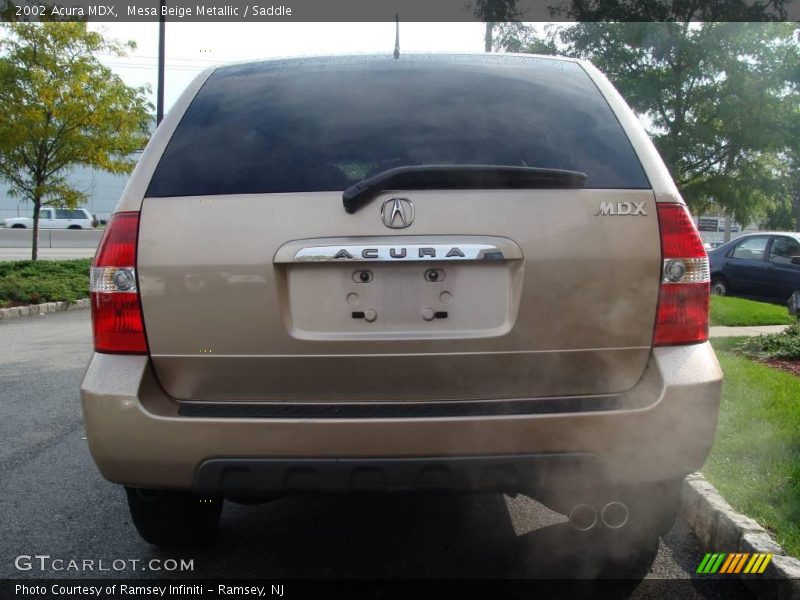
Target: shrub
777, 346
28, 282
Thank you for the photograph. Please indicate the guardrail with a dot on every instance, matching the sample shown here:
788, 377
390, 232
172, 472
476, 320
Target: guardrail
51, 238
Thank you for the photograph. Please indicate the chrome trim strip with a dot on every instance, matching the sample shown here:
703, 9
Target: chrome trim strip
399, 253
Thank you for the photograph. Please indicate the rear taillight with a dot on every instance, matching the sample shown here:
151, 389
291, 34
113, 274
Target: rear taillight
116, 313
682, 316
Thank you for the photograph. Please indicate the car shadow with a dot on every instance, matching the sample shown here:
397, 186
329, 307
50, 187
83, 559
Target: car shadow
396, 537
417, 536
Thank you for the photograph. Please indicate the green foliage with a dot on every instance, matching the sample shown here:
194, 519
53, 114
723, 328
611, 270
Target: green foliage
492, 12
496, 10
8, 10
62, 108
721, 99
778, 346
521, 38
755, 461
29, 282
670, 10
784, 213
738, 312
781, 215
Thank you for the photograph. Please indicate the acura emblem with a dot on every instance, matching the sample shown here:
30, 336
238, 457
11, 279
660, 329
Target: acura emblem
397, 213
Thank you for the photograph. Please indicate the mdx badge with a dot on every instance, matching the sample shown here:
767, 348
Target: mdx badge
397, 213
620, 209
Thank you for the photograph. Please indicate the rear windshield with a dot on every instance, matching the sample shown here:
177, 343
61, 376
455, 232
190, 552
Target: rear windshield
322, 125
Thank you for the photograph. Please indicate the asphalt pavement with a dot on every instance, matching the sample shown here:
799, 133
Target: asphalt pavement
54, 502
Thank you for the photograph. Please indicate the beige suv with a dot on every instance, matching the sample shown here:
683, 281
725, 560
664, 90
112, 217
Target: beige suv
444, 273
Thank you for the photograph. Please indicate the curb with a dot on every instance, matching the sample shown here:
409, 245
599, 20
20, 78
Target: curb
719, 528
35, 310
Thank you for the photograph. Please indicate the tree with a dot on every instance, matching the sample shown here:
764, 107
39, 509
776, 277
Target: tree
61, 109
671, 10
720, 99
493, 12
785, 213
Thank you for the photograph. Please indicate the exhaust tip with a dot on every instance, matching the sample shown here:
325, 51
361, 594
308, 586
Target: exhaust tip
583, 517
615, 515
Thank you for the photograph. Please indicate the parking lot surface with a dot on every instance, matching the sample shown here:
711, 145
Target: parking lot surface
54, 502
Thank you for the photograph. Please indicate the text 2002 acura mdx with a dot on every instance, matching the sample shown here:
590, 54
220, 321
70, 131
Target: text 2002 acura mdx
461, 273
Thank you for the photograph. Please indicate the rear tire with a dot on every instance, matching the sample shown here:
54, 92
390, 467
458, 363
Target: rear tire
173, 518
18, 226
74, 227
720, 287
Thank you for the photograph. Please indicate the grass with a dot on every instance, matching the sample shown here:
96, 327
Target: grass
738, 312
755, 462
28, 282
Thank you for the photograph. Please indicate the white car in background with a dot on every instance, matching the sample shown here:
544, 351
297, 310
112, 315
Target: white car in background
56, 218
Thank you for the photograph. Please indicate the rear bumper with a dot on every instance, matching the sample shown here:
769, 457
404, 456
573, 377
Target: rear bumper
661, 429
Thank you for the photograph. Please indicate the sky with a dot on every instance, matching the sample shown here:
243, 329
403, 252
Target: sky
192, 47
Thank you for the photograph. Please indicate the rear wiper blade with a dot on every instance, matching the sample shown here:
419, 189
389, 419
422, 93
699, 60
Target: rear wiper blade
459, 177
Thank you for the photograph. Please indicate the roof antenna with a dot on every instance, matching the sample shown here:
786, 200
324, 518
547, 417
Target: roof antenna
397, 36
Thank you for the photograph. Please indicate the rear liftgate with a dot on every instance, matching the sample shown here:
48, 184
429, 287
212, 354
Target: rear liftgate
401, 287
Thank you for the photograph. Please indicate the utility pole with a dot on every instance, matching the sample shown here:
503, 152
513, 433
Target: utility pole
397, 36
160, 90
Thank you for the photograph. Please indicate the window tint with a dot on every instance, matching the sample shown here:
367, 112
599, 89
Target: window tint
45, 214
751, 249
783, 249
324, 124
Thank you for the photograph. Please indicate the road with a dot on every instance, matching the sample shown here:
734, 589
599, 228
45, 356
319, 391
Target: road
15, 244
46, 253
54, 502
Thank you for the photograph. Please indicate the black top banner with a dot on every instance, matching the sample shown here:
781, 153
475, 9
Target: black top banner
408, 10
